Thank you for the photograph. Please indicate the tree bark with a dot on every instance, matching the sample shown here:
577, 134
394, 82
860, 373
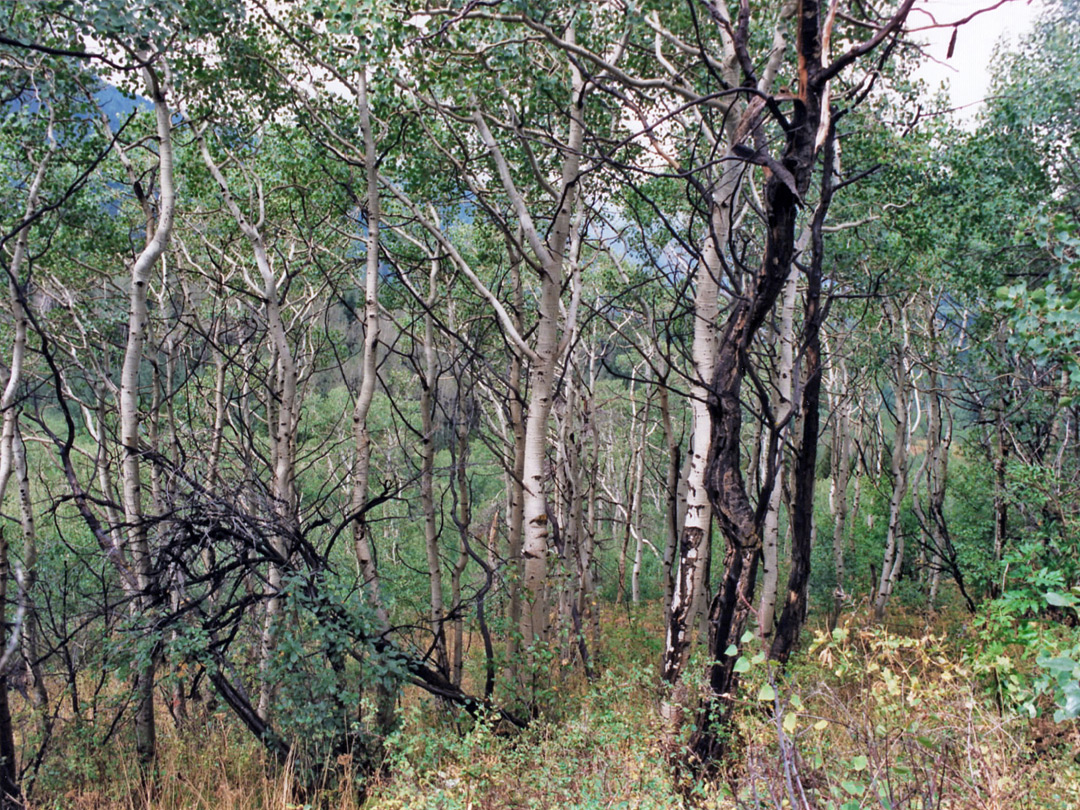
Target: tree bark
783, 411
286, 411
802, 513
894, 542
427, 475
552, 256
841, 473
131, 477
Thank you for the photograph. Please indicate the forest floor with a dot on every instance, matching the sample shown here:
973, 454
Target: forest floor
865, 717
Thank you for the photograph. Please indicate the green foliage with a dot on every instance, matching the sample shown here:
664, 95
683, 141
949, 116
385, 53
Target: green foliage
1045, 319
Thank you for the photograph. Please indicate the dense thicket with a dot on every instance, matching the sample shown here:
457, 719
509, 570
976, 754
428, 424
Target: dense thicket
354, 351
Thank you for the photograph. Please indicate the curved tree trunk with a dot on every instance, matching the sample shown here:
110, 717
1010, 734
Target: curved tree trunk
131, 475
13, 463
552, 255
802, 512
284, 396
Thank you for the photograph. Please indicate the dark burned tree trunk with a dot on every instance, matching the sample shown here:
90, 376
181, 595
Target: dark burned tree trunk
741, 523
802, 524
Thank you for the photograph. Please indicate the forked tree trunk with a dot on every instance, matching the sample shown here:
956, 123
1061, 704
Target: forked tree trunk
739, 521
285, 418
386, 696
693, 552
552, 256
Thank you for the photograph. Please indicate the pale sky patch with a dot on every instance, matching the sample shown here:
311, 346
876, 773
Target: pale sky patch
968, 73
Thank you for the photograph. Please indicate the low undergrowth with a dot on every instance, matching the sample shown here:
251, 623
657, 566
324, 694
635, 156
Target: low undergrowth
864, 718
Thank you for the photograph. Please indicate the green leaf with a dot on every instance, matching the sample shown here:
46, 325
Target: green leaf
853, 788
1061, 599
1059, 664
742, 665
1070, 708
767, 693
859, 763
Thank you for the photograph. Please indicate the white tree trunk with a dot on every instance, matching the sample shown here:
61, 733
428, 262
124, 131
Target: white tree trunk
131, 477
427, 474
366, 395
894, 542
783, 411
837, 382
690, 564
284, 423
552, 255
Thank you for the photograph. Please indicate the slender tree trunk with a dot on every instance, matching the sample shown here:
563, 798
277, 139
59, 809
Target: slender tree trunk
138, 319
282, 422
894, 542
10, 788
938, 443
841, 472
13, 462
552, 254
463, 520
1001, 463
783, 410
690, 566
588, 603
515, 509
427, 476
31, 639
671, 492
635, 516
366, 395
805, 467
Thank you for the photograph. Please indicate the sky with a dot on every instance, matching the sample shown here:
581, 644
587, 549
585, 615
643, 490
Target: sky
967, 73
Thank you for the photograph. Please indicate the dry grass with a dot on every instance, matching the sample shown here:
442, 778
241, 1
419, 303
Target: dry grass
879, 720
